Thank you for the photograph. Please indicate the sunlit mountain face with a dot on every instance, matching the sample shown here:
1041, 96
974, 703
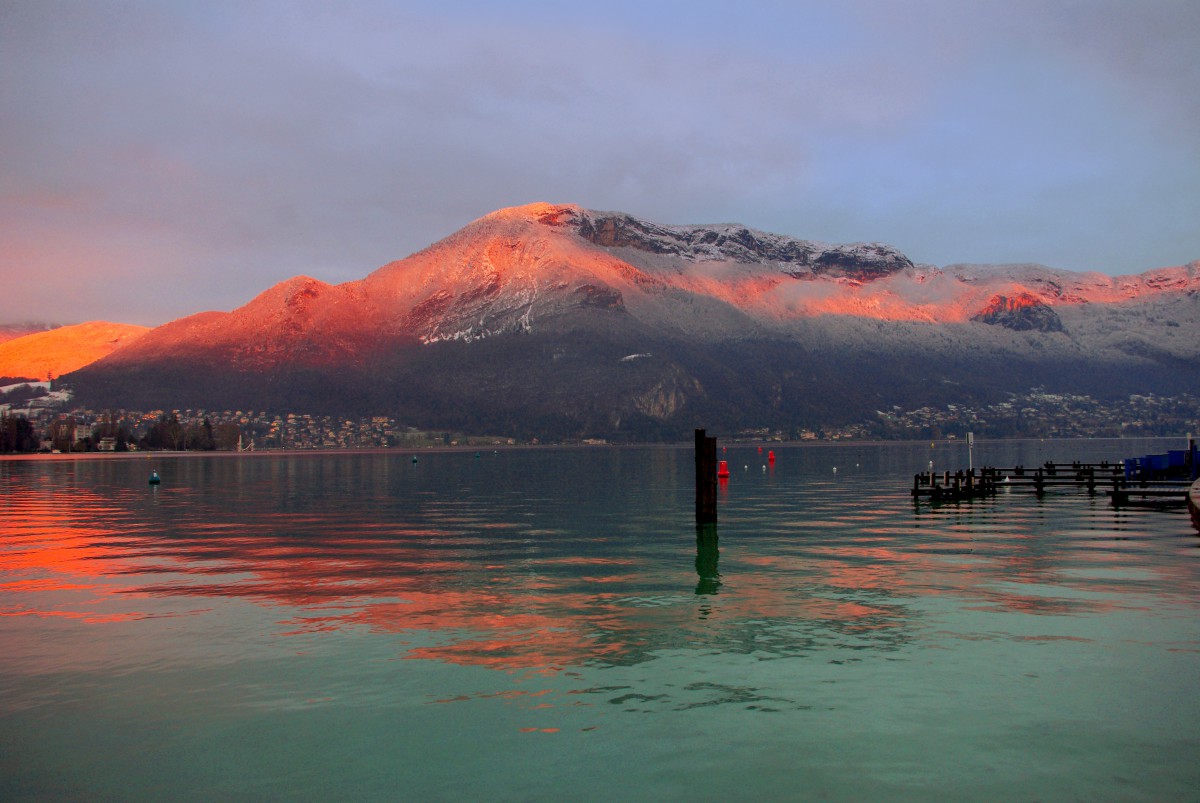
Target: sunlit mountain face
44, 355
571, 322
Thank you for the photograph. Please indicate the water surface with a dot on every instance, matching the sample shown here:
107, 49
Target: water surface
549, 623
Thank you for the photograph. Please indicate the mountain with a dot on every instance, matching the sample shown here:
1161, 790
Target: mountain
45, 354
553, 320
11, 331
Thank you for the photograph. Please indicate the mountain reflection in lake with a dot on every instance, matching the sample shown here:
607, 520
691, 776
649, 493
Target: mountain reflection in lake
363, 625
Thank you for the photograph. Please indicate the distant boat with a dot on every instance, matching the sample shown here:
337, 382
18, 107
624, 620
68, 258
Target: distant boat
154, 478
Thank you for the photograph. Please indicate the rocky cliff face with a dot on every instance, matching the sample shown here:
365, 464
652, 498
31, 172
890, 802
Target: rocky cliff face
734, 243
1021, 313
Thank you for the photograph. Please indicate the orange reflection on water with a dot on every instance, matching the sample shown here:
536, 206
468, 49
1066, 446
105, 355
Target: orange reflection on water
498, 598
58, 562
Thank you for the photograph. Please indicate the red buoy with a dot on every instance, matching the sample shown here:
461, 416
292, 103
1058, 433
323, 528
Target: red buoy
723, 469
771, 456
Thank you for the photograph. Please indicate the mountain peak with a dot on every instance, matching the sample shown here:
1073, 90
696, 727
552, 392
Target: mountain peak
539, 212
625, 235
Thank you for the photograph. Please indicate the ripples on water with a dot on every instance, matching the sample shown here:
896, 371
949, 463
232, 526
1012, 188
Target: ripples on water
367, 626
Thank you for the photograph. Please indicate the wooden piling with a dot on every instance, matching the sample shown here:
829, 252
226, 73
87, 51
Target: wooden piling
707, 557
706, 478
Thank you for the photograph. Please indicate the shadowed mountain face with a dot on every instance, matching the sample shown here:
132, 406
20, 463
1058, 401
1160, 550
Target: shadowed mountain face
557, 321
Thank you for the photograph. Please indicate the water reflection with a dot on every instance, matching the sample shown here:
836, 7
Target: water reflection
707, 556
566, 560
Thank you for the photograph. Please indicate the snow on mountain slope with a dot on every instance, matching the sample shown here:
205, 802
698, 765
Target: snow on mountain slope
499, 273
520, 268
301, 321
1068, 287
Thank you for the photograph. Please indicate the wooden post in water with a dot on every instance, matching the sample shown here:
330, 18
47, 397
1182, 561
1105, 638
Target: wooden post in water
706, 478
707, 556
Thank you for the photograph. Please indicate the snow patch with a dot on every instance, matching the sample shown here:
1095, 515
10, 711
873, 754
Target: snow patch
33, 385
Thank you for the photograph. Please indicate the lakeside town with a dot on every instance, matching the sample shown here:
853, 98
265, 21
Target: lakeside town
35, 418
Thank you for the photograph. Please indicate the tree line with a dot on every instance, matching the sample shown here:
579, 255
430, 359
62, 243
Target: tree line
19, 436
169, 433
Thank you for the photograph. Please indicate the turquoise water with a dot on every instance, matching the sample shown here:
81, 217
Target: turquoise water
549, 624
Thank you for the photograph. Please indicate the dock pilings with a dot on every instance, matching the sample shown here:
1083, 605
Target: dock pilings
706, 478
960, 486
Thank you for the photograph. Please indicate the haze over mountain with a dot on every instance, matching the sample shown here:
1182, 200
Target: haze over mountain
554, 320
11, 331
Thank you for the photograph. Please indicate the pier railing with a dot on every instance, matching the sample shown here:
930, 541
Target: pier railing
1112, 478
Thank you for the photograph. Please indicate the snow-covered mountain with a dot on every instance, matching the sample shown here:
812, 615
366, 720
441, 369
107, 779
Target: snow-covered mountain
531, 313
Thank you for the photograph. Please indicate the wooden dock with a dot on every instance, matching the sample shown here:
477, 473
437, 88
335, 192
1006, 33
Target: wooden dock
1091, 477
1154, 494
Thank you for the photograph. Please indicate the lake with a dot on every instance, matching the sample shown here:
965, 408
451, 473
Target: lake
549, 623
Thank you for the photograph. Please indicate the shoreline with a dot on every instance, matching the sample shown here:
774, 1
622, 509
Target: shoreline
410, 451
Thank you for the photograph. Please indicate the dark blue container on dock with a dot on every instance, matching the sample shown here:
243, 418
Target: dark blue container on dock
1134, 467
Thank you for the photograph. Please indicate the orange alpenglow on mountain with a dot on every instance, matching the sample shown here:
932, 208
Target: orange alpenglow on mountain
46, 355
630, 286
517, 268
577, 323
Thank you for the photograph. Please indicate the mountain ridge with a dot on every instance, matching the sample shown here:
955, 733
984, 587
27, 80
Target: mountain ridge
525, 315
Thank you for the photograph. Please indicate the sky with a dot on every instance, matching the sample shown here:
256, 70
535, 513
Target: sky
163, 158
